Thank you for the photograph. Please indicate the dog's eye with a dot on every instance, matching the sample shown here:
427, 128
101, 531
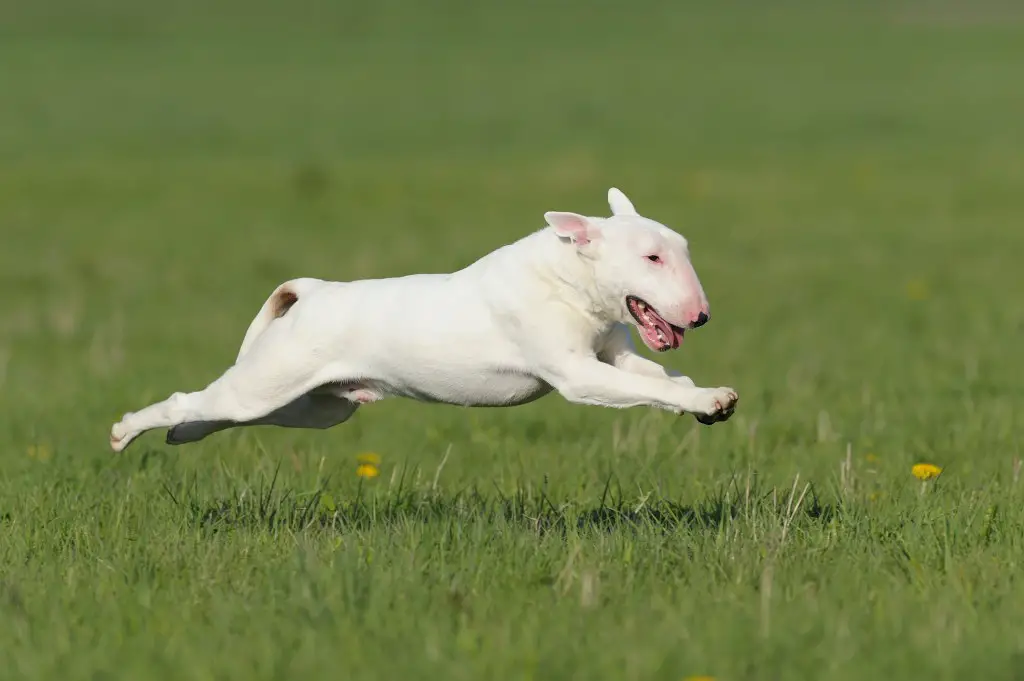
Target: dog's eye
654, 258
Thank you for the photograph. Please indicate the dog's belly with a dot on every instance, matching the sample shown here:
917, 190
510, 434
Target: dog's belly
429, 338
480, 389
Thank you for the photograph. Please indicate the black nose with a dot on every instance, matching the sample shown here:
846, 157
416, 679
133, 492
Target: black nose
702, 319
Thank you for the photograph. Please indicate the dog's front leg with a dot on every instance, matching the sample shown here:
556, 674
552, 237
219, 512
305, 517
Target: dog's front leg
619, 351
590, 381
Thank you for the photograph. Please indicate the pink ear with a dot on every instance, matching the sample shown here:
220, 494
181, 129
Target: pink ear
572, 226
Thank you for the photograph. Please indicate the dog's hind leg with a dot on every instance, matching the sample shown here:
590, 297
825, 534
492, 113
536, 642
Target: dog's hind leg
273, 373
317, 409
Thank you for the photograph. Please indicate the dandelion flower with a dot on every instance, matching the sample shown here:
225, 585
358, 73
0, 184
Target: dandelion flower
369, 465
40, 452
925, 471
917, 289
369, 459
365, 470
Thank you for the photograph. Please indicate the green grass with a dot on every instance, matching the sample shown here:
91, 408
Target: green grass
850, 179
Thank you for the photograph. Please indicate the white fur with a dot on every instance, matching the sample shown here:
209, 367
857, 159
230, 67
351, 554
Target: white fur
547, 312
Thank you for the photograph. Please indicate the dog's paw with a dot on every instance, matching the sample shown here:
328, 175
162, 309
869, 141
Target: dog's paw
716, 405
120, 435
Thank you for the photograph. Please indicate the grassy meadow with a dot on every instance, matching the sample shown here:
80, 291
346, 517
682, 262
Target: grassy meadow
850, 177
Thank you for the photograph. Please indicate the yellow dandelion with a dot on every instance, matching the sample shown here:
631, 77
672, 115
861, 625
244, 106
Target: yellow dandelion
369, 465
917, 289
40, 452
871, 458
925, 471
369, 459
365, 470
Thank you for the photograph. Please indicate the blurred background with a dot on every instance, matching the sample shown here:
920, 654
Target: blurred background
164, 165
849, 175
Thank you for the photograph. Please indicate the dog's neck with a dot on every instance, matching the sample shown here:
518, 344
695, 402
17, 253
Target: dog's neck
571, 274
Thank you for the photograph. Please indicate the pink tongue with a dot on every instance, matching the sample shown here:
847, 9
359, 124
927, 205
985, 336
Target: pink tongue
651, 333
666, 329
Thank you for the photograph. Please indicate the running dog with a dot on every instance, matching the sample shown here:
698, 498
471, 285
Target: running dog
549, 312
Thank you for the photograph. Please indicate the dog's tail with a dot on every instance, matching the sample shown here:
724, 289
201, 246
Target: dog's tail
277, 306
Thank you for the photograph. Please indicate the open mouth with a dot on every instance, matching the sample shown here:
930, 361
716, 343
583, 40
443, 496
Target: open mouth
658, 334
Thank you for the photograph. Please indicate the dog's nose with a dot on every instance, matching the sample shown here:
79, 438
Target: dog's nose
702, 319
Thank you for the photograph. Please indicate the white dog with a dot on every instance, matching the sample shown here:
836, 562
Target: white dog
548, 312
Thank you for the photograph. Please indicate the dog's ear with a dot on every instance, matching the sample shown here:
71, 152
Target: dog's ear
577, 228
619, 203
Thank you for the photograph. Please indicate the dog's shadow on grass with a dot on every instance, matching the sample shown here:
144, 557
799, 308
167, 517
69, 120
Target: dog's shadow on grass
269, 508
709, 514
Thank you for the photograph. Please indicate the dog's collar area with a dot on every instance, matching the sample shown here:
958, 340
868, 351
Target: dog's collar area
658, 334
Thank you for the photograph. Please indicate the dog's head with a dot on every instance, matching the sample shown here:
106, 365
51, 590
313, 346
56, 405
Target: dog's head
641, 270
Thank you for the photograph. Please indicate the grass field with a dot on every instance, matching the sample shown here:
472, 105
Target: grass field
850, 177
